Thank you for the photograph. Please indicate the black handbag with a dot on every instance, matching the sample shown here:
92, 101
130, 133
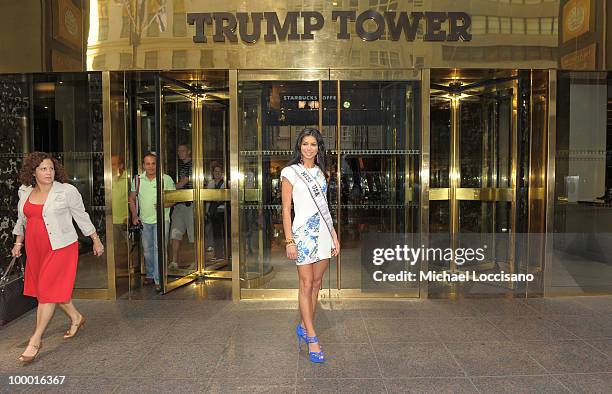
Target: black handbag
12, 301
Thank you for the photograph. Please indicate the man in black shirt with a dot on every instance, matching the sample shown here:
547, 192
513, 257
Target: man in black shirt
182, 214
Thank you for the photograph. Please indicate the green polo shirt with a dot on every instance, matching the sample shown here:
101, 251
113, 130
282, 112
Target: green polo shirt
147, 198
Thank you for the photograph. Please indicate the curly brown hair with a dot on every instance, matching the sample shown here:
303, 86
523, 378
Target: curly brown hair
33, 160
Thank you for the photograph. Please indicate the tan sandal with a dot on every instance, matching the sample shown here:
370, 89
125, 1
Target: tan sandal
28, 359
78, 326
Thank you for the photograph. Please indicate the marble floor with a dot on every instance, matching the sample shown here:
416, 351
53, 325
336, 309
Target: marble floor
439, 346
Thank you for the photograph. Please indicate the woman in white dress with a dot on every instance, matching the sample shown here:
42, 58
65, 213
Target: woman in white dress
310, 238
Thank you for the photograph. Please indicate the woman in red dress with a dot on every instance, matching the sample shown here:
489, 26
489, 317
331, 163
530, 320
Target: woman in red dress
47, 206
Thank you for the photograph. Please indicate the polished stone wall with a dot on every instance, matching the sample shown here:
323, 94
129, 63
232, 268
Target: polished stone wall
13, 124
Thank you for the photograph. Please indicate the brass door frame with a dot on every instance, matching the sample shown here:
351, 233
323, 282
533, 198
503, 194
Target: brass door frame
336, 76
235, 185
424, 173
551, 165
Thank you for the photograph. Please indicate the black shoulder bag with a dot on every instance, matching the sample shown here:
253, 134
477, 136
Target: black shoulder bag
12, 301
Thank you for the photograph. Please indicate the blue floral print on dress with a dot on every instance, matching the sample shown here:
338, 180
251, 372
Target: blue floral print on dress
307, 238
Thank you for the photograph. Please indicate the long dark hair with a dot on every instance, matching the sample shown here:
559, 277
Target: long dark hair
297, 151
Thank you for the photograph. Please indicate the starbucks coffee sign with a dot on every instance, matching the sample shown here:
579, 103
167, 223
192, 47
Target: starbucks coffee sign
368, 26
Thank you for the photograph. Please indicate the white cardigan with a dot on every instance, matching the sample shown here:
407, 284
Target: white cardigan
63, 204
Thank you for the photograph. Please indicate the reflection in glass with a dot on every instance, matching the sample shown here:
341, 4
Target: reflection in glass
583, 191
121, 217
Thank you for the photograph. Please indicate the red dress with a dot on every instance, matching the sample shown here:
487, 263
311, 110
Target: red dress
49, 274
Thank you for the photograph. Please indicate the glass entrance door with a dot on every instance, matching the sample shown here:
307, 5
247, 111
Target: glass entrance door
367, 120
473, 143
378, 166
273, 109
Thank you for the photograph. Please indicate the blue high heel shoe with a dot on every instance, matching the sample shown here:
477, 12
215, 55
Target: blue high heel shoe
315, 357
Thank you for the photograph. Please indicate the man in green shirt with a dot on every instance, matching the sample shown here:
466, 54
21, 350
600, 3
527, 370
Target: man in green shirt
144, 191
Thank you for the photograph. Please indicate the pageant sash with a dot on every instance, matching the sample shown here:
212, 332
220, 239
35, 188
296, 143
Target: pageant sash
316, 192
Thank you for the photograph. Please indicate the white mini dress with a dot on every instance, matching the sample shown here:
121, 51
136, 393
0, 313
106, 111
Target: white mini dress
311, 235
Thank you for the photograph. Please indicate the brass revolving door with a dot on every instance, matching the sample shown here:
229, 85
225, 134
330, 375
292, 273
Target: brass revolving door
194, 151
182, 119
474, 133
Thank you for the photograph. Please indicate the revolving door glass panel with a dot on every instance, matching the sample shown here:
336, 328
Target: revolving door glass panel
178, 117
